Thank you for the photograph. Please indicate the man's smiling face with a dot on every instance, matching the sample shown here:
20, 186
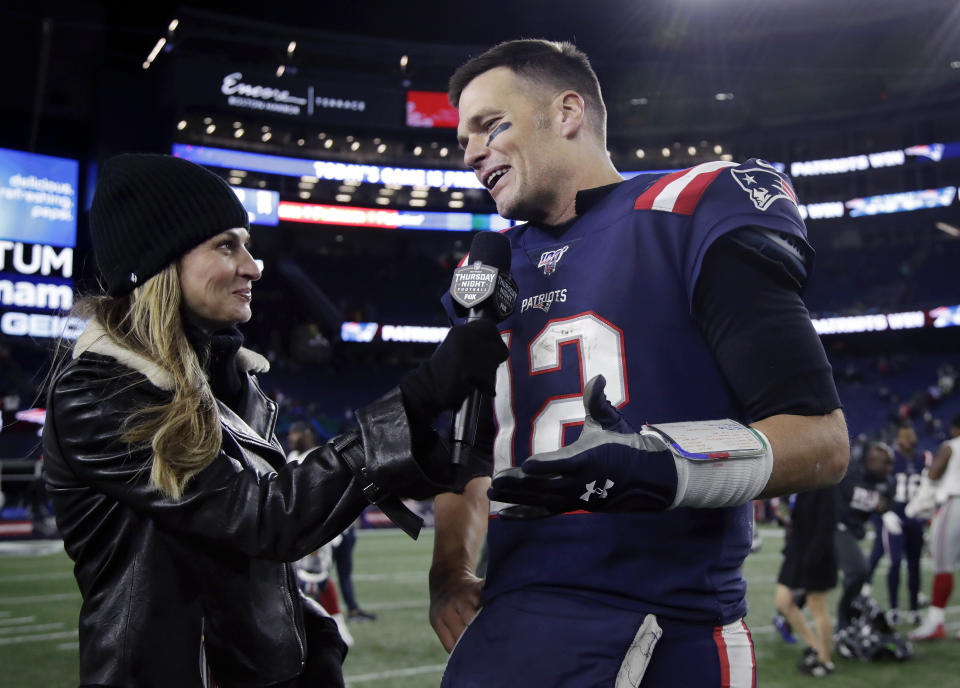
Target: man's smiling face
507, 139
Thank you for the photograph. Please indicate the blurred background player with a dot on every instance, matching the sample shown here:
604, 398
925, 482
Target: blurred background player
866, 489
313, 577
809, 570
902, 537
682, 290
313, 570
945, 535
301, 438
343, 558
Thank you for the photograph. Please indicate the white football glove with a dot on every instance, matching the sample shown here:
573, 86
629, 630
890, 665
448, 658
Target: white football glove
892, 523
924, 502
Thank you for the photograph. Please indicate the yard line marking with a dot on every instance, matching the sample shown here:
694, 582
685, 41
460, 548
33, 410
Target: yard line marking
17, 620
396, 673
35, 577
416, 576
30, 599
31, 547
34, 628
2, 614
399, 604
39, 638
69, 646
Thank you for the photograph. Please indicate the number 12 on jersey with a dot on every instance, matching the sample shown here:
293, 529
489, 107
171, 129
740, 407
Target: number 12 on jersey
599, 351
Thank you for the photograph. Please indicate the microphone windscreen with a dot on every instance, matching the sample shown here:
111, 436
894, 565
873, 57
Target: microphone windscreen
490, 248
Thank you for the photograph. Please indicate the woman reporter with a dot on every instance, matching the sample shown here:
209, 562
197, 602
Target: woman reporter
170, 488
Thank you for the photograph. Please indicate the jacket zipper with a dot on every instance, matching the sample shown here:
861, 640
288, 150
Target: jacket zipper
272, 405
297, 620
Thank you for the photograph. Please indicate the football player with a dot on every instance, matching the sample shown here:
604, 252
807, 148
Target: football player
661, 298
902, 536
944, 483
866, 489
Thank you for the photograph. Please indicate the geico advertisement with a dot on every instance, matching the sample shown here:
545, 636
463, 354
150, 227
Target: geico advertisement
34, 277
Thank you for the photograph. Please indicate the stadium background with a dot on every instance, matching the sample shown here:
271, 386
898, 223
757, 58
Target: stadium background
859, 103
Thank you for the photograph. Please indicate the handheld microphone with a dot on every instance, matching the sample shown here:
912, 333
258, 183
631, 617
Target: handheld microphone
482, 288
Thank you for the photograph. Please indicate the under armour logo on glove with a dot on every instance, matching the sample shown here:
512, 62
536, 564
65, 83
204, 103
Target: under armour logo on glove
639, 464
601, 492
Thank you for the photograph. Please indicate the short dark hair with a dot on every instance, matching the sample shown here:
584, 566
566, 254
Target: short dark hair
553, 63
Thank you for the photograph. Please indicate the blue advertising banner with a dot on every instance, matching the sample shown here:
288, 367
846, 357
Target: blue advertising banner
38, 198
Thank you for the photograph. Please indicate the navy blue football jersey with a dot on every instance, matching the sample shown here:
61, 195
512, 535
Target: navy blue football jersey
907, 475
858, 497
611, 294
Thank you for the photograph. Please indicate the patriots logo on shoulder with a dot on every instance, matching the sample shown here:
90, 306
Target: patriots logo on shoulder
549, 259
764, 184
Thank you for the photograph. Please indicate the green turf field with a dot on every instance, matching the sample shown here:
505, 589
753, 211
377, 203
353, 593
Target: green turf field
39, 604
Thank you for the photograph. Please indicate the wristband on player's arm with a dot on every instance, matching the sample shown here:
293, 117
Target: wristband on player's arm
612, 467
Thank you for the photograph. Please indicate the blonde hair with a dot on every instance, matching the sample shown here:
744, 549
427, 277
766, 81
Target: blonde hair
184, 433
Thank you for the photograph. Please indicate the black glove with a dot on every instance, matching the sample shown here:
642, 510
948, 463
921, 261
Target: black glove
609, 468
466, 360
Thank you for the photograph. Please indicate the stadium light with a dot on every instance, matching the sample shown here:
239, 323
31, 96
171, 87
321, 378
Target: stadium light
153, 53
666, 152
182, 124
949, 229
640, 153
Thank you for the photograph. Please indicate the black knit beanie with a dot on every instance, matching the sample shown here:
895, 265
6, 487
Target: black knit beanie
149, 210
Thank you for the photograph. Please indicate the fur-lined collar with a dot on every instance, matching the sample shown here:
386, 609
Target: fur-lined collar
96, 340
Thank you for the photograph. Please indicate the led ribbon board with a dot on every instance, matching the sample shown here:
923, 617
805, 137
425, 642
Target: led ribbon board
38, 232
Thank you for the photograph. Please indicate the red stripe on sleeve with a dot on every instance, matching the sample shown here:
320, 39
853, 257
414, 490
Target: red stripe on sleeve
646, 199
690, 196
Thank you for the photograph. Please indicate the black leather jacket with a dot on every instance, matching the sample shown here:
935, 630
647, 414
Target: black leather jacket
164, 581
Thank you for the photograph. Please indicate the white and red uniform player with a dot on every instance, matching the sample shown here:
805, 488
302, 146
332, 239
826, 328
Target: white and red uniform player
943, 486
